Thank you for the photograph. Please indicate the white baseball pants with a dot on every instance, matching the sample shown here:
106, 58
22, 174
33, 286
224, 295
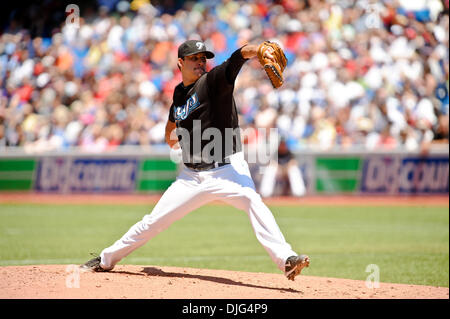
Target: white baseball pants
230, 183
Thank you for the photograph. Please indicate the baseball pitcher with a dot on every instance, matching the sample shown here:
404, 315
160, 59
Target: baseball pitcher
203, 122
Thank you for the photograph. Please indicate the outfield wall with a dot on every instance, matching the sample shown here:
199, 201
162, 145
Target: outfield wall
375, 173
392, 173
74, 172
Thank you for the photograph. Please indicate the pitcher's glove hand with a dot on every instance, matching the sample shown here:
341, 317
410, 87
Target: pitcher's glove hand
275, 66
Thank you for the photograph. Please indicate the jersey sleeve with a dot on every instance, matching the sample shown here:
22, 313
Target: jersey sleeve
171, 116
223, 76
177, 93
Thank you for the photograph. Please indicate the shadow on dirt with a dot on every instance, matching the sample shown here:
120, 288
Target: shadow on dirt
152, 271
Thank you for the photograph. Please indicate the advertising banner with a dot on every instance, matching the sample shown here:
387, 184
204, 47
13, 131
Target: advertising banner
16, 174
405, 175
383, 174
337, 174
71, 175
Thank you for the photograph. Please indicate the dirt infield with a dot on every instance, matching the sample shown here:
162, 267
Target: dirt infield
154, 282
142, 199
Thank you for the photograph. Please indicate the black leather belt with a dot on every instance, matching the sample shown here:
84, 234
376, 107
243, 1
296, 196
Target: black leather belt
204, 167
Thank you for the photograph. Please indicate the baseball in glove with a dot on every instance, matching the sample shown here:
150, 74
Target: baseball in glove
274, 69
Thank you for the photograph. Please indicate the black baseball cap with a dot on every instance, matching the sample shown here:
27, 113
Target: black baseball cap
191, 47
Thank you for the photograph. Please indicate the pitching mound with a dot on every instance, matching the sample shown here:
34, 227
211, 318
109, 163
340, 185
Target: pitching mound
155, 282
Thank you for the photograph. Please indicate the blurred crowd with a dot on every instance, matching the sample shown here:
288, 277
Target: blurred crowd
361, 74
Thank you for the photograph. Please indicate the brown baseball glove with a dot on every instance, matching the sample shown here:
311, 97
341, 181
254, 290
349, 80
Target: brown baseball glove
274, 69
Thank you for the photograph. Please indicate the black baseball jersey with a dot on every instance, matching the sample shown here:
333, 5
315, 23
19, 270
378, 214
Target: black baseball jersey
206, 117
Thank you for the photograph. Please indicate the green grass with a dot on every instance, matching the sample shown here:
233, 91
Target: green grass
409, 244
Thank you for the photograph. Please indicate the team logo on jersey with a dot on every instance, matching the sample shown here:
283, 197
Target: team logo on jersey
183, 111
